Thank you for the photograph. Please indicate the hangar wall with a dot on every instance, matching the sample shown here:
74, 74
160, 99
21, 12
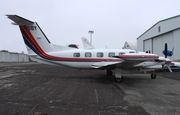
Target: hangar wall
13, 57
176, 34
156, 44
164, 31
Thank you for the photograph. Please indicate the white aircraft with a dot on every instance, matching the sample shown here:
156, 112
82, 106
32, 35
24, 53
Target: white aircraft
89, 58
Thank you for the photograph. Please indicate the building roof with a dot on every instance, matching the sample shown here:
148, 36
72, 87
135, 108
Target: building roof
158, 23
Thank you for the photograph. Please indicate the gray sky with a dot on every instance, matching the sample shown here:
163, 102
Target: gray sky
66, 21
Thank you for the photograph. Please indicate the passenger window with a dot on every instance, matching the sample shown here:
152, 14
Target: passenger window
131, 52
121, 53
76, 55
111, 54
99, 54
87, 54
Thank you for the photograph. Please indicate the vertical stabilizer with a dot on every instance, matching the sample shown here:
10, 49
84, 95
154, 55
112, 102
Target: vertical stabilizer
32, 34
87, 44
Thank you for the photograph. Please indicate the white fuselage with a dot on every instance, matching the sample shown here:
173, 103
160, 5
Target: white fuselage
93, 56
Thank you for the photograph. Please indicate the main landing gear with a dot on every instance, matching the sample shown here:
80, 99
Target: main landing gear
109, 72
118, 76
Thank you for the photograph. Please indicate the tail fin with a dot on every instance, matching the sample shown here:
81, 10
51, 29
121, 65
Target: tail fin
32, 34
87, 44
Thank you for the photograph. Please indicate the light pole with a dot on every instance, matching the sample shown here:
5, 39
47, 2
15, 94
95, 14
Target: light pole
91, 32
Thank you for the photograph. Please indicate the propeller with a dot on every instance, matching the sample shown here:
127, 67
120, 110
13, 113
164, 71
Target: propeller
166, 53
169, 68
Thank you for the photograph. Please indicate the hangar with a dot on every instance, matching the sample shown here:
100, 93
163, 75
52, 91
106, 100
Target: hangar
164, 31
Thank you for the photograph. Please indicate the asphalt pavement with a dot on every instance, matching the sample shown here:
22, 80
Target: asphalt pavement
31, 88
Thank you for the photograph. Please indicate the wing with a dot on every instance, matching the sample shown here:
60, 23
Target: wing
104, 64
126, 61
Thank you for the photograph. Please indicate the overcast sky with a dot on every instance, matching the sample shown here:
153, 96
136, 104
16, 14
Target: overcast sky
67, 21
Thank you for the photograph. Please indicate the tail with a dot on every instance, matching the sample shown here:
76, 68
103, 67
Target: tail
32, 34
87, 44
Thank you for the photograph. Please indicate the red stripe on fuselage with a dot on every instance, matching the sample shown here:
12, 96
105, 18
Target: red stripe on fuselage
32, 40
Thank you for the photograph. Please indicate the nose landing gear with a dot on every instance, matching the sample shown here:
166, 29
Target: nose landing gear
153, 76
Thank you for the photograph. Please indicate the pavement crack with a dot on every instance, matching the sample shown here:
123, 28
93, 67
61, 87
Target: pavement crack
96, 96
33, 108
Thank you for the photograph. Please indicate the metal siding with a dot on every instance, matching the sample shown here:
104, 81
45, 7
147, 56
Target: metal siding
148, 45
169, 39
169, 33
157, 45
176, 35
140, 45
166, 26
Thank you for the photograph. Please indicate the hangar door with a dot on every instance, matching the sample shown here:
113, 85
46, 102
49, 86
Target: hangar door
148, 45
158, 45
169, 39
159, 41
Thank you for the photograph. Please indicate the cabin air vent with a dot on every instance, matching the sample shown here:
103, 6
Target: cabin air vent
38, 37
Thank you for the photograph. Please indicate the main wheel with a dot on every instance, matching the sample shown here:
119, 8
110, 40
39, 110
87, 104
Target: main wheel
109, 73
153, 76
118, 80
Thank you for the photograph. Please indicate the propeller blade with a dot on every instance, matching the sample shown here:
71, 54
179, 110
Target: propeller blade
165, 49
169, 68
172, 51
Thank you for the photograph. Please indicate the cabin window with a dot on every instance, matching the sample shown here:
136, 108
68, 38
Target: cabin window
132, 52
88, 54
76, 55
121, 53
111, 54
99, 54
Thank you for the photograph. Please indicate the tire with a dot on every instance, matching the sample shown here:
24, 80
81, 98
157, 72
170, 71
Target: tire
153, 76
118, 80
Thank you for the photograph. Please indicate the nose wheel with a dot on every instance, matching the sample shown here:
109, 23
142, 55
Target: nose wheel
153, 76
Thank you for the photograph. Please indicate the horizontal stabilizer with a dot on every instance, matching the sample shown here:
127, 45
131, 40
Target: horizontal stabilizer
19, 20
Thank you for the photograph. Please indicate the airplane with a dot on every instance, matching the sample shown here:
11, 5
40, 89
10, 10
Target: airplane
105, 59
166, 52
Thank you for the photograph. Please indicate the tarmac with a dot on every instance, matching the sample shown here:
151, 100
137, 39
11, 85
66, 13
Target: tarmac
37, 89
